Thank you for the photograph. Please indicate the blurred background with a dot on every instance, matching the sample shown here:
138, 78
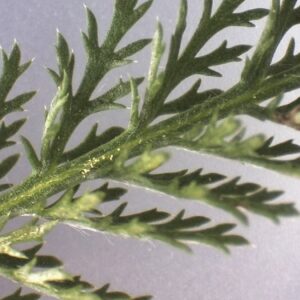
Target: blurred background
268, 269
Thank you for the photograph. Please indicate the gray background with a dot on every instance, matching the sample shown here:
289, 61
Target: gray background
269, 269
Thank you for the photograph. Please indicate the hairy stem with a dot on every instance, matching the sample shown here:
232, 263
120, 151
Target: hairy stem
38, 187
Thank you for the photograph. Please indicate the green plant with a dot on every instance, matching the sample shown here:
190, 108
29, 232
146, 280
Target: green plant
203, 122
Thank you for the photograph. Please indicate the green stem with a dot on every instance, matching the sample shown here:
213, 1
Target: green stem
43, 185
101, 160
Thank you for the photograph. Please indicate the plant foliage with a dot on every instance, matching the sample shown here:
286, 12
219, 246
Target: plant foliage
205, 121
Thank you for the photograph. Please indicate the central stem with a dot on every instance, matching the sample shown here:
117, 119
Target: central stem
37, 188
29, 195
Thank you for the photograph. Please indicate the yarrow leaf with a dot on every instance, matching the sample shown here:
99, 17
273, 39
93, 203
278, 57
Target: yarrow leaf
201, 120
